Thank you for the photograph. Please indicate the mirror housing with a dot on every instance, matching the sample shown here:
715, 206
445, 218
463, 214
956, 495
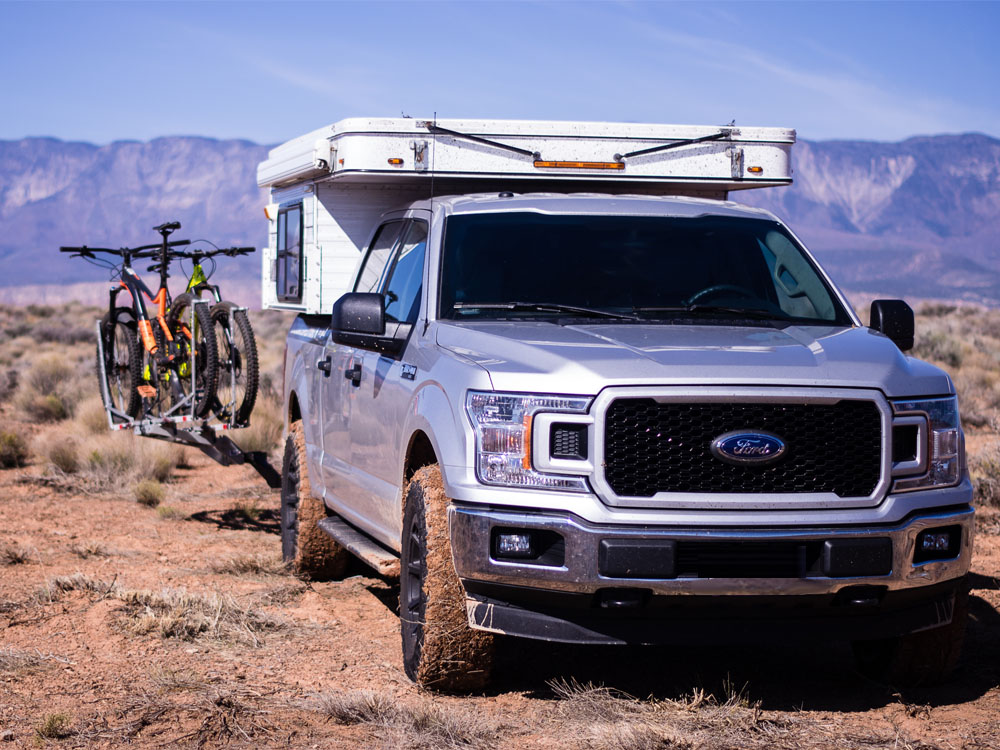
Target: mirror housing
893, 318
358, 320
358, 313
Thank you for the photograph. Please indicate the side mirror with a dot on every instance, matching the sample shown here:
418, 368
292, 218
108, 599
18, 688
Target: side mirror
358, 320
894, 318
358, 313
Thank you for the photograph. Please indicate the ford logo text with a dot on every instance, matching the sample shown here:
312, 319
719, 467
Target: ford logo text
748, 447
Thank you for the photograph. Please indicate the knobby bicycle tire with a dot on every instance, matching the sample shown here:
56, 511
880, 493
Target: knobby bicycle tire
122, 362
239, 370
206, 365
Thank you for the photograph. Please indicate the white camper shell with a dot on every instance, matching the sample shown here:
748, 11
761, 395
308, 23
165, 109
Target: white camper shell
329, 187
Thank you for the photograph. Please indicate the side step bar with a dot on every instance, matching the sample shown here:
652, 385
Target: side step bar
359, 545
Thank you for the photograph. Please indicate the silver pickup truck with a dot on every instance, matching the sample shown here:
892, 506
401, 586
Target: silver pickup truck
605, 419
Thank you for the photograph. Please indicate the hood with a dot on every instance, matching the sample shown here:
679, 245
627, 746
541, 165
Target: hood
545, 357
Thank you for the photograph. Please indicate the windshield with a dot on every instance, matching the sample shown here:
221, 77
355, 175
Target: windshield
525, 264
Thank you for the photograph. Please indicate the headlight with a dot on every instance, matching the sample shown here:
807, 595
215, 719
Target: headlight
502, 423
945, 443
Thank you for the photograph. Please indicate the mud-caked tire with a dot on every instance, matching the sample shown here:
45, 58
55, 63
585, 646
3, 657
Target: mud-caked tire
440, 650
305, 547
925, 658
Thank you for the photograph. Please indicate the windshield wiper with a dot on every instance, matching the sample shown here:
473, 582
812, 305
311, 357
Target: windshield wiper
755, 313
543, 307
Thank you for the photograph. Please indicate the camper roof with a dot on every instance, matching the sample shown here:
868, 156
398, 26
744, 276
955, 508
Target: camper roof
639, 158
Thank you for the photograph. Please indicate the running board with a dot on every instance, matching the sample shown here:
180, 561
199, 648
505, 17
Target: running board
359, 545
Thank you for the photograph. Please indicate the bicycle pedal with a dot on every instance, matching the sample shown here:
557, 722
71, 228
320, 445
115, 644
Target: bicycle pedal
146, 391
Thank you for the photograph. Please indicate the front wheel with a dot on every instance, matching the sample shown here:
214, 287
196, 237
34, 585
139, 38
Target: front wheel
239, 372
927, 657
195, 358
122, 364
440, 650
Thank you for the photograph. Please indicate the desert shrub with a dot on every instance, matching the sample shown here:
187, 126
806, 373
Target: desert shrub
48, 392
266, 426
41, 311
939, 347
984, 467
124, 459
59, 448
13, 449
91, 416
63, 334
149, 492
54, 727
8, 383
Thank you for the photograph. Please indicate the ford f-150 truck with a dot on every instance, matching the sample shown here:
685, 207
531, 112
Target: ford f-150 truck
570, 392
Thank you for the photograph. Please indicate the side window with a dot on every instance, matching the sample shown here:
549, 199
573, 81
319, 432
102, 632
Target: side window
378, 257
402, 292
289, 261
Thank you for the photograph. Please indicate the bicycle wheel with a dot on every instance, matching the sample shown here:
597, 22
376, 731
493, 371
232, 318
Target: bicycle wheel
239, 372
193, 346
122, 365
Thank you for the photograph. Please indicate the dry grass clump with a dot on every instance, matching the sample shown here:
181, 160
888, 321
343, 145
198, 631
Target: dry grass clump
604, 719
171, 613
17, 555
149, 492
252, 565
420, 726
91, 416
105, 463
247, 509
90, 549
170, 513
13, 449
177, 613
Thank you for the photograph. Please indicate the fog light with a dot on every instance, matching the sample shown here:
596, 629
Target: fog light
514, 545
941, 543
935, 542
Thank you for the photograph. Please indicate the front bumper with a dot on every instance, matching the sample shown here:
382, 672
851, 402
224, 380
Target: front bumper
573, 601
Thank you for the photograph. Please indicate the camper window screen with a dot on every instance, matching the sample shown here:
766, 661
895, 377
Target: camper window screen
289, 260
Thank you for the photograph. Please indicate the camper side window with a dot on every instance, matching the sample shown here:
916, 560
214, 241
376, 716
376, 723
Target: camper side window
289, 261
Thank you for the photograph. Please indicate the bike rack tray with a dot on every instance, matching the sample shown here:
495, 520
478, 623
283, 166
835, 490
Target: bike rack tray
186, 429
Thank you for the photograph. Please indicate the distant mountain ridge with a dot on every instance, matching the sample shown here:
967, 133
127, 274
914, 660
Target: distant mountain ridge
918, 218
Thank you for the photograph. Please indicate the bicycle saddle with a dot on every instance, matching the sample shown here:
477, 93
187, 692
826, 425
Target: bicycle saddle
167, 228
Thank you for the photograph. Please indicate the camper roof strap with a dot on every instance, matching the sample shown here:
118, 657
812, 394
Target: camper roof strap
726, 133
438, 129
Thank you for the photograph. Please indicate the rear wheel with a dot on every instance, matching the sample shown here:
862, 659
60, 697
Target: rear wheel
122, 363
193, 347
236, 389
440, 650
927, 657
310, 551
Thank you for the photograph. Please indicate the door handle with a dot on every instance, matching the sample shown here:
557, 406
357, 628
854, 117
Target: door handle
354, 375
325, 365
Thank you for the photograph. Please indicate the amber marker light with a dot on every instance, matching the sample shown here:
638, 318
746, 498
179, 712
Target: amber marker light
580, 165
396, 162
755, 170
526, 456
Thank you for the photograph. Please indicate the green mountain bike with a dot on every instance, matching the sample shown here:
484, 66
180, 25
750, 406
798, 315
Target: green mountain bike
238, 375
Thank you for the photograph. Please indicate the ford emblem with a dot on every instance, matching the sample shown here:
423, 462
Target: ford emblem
748, 447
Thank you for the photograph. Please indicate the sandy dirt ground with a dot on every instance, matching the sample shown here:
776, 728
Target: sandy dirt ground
183, 631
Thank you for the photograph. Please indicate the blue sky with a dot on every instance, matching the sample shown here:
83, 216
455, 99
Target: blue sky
270, 71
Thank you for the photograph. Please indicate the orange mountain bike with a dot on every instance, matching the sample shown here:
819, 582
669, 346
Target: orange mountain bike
157, 365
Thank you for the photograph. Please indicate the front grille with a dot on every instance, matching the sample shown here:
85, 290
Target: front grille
652, 447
